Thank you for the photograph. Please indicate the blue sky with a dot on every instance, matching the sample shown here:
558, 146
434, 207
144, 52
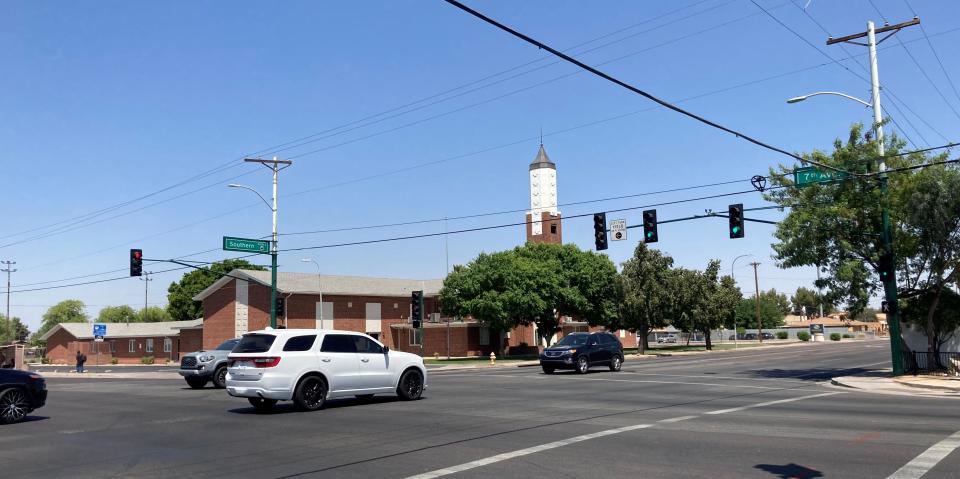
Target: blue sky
109, 101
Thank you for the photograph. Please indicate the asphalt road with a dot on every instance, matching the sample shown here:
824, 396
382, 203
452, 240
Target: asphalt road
753, 413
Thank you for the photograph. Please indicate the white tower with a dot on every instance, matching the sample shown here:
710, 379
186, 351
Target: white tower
543, 220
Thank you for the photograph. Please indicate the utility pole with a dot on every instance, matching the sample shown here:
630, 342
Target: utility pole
756, 284
274, 166
9, 270
886, 235
146, 286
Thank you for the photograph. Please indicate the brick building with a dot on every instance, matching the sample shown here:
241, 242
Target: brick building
127, 343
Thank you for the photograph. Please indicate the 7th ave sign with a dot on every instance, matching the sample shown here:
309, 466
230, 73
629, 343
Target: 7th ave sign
809, 175
245, 245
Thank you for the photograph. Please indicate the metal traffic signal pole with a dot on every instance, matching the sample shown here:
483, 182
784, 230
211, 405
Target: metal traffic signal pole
756, 284
274, 165
886, 235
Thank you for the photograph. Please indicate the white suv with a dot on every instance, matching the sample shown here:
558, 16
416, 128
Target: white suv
310, 366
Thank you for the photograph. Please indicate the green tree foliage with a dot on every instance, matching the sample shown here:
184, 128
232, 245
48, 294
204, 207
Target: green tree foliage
702, 301
117, 314
770, 313
946, 321
646, 292
180, 303
533, 284
837, 226
809, 299
12, 330
153, 314
779, 299
66, 311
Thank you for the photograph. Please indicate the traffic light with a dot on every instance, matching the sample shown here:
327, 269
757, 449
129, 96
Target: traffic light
600, 231
281, 307
416, 309
885, 268
884, 307
735, 214
650, 226
136, 262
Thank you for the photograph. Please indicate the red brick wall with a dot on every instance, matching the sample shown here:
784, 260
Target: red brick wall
464, 340
190, 340
547, 220
62, 348
218, 316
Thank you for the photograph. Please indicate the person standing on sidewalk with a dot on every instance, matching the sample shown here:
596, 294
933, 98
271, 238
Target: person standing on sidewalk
81, 358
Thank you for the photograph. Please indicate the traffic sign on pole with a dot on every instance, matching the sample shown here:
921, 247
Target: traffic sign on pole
245, 245
618, 230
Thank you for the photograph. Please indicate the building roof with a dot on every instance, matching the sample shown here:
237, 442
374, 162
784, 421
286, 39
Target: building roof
542, 160
305, 283
124, 330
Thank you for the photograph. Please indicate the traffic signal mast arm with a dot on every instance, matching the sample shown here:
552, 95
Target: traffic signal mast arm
712, 215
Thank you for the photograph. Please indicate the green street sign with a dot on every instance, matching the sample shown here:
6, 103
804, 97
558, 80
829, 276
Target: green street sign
245, 245
809, 175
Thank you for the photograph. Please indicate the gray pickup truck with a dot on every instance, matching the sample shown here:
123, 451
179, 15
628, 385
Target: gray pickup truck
202, 366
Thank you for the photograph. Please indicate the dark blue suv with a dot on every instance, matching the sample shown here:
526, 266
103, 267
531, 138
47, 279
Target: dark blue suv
579, 351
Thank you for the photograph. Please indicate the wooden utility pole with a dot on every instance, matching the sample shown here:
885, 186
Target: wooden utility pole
756, 284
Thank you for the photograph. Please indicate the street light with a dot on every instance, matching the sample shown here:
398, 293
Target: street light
735, 316
274, 166
798, 99
319, 287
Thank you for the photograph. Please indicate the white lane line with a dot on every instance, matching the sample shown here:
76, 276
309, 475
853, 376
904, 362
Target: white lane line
553, 445
677, 419
769, 403
922, 464
524, 452
645, 381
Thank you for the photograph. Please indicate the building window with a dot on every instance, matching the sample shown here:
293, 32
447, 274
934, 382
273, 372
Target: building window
94, 347
167, 345
484, 336
113, 346
349, 304
149, 345
132, 346
396, 306
416, 336
553, 229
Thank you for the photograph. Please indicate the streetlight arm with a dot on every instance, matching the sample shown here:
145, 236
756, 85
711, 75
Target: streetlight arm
798, 99
245, 187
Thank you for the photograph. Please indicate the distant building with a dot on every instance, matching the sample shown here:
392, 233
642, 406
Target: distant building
543, 220
128, 343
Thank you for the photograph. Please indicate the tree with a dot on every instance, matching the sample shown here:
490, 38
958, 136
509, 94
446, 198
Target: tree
645, 292
778, 299
117, 314
180, 303
12, 330
809, 301
153, 314
770, 313
836, 226
702, 301
533, 284
722, 304
66, 311
946, 322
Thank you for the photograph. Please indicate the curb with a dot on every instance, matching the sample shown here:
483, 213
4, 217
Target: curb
929, 387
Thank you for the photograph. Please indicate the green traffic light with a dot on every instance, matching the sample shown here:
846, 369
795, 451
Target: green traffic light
649, 234
736, 229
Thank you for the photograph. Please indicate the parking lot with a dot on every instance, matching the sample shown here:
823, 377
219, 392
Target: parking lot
762, 413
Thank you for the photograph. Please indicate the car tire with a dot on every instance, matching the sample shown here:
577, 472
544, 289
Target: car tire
311, 393
261, 404
220, 377
410, 387
548, 370
196, 382
583, 365
14, 406
616, 362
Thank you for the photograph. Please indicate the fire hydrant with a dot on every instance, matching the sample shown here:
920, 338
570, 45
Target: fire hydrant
493, 358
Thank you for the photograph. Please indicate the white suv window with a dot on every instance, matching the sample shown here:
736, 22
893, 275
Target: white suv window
300, 343
339, 343
365, 345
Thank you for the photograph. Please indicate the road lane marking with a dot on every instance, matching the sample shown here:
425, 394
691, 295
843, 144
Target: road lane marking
927, 460
645, 381
677, 419
525, 452
769, 403
586, 437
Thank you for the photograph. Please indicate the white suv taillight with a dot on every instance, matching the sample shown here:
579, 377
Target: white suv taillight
256, 362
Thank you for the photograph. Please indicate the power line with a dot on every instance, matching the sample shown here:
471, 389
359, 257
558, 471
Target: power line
935, 54
631, 87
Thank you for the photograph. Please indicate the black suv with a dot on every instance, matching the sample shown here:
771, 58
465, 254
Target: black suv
20, 393
580, 350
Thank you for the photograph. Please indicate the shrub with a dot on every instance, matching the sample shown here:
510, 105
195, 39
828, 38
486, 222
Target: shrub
44, 360
782, 335
834, 336
848, 336
114, 361
146, 360
803, 336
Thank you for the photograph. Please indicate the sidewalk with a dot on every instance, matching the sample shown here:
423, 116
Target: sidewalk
110, 375
882, 382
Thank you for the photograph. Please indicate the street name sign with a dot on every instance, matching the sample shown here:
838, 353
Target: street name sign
99, 331
245, 245
810, 175
618, 230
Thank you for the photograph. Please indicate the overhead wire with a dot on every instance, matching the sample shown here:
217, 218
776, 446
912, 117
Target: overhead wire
936, 55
